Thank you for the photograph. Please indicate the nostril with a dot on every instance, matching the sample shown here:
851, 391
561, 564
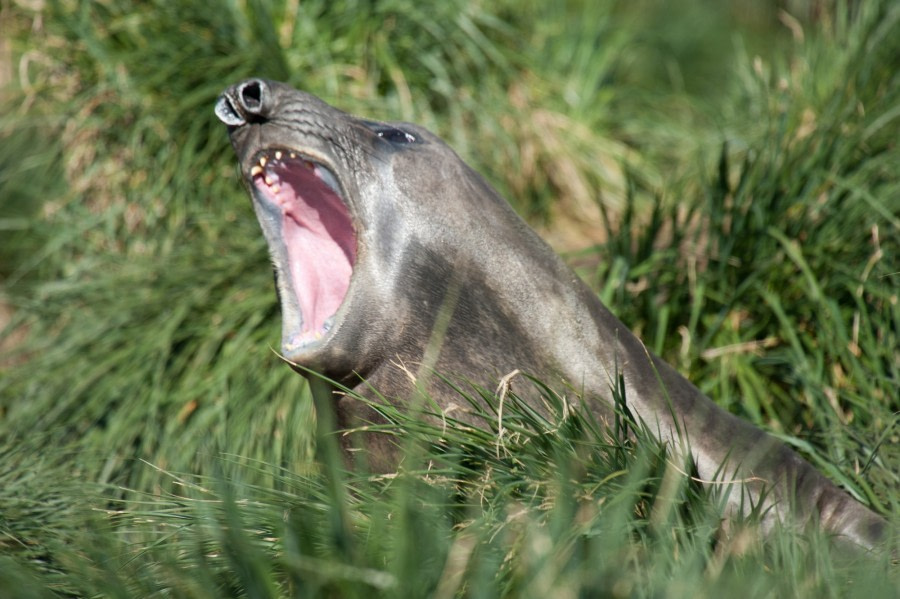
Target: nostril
251, 95
226, 112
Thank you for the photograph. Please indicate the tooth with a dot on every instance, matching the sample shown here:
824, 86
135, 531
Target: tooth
268, 180
278, 155
276, 188
256, 170
293, 155
263, 160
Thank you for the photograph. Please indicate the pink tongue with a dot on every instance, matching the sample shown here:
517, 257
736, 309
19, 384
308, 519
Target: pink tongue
319, 237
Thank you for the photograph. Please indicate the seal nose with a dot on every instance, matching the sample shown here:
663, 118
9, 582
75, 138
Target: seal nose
246, 102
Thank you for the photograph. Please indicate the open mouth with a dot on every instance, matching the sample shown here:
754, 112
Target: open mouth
312, 241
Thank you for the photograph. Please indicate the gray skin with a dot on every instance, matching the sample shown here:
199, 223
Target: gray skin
434, 240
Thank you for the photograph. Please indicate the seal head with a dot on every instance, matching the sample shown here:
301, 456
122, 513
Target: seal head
305, 164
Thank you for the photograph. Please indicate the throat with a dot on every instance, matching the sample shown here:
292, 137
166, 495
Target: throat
320, 270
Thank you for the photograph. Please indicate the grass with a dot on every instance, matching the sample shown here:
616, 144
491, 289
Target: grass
727, 183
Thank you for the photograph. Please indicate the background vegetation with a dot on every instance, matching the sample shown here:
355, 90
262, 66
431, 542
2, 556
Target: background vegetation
725, 175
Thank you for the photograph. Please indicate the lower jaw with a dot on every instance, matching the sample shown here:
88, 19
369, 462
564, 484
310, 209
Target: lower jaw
293, 343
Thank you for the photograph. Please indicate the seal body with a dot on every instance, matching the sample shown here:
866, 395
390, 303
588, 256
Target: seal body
394, 259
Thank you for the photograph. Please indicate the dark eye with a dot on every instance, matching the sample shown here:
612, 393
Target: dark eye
395, 135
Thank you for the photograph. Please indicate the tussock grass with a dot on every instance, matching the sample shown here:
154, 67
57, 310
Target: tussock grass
737, 195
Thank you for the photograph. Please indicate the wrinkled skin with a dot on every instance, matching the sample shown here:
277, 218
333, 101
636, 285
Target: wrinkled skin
448, 277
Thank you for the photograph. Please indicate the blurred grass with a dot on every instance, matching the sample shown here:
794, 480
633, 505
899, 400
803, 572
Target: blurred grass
730, 169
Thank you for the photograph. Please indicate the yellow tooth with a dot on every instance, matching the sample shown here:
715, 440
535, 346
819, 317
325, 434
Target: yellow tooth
255, 170
293, 155
278, 155
262, 161
276, 188
268, 180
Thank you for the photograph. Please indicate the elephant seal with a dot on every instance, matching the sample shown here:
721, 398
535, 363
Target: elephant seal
390, 253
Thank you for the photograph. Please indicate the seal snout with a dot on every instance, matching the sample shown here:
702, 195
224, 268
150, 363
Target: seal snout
246, 102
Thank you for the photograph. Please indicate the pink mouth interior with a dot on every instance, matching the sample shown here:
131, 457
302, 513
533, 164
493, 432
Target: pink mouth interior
319, 237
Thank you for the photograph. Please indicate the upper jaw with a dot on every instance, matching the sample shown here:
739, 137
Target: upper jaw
269, 157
